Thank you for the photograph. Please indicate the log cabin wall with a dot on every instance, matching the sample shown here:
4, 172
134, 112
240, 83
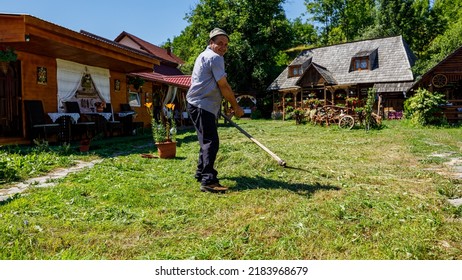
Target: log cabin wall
120, 96
141, 111
446, 78
39, 43
31, 89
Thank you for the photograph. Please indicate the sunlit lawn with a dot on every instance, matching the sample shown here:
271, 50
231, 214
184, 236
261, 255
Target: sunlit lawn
343, 195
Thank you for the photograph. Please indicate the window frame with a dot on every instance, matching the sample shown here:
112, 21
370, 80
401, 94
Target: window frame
134, 99
358, 61
295, 71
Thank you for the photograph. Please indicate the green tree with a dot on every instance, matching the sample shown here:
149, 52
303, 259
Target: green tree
356, 16
327, 13
258, 31
304, 33
418, 21
447, 35
391, 18
304, 36
341, 20
427, 23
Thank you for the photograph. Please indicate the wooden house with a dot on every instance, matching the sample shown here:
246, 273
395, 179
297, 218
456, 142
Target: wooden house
334, 73
55, 64
446, 78
166, 84
163, 84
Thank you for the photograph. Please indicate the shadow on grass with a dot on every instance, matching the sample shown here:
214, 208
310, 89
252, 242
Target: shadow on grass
187, 139
258, 182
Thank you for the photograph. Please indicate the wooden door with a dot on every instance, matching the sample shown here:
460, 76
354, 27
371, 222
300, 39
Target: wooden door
10, 102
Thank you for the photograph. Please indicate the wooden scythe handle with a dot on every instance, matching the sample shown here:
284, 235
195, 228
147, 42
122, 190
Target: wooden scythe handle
278, 159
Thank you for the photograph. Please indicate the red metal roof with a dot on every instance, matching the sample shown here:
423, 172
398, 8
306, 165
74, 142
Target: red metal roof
182, 81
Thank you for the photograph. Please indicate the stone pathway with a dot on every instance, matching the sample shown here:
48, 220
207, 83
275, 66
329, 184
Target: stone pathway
453, 169
46, 180
49, 179
455, 166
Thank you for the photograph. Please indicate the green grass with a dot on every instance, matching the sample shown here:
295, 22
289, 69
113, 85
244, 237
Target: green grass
344, 195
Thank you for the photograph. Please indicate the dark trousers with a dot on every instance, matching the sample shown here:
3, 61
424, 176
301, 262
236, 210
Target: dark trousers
207, 134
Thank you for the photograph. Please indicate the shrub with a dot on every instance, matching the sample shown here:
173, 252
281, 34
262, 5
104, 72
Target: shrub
7, 174
276, 115
424, 108
256, 114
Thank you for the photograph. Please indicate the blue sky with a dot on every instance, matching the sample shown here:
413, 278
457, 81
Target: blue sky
152, 20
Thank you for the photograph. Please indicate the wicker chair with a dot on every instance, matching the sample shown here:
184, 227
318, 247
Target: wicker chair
37, 122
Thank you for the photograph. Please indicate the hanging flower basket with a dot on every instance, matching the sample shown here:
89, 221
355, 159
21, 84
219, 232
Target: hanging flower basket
6, 55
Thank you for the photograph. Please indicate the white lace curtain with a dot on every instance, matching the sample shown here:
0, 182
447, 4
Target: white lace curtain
169, 98
70, 75
171, 94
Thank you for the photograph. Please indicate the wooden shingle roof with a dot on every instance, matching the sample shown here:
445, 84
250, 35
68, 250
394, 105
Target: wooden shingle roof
392, 63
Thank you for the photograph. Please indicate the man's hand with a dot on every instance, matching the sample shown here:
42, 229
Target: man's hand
238, 111
228, 94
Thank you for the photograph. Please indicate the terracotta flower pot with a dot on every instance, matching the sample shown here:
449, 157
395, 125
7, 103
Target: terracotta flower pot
84, 148
166, 149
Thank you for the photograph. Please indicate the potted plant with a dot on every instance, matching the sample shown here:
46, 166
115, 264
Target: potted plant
6, 56
85, 144
352, 101
164, 131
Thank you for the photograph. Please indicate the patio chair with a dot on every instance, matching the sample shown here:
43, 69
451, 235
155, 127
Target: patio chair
125, 107
37, 122
129, 126
83, 128
112, 125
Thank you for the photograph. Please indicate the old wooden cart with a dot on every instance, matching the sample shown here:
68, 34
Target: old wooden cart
345, 117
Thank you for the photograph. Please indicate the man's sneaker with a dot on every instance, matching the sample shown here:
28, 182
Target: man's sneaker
214, 188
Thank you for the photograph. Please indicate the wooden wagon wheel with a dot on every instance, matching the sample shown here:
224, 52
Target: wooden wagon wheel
346, 122
439, 80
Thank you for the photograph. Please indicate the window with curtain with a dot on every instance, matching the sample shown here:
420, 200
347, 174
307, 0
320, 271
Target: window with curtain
70, 77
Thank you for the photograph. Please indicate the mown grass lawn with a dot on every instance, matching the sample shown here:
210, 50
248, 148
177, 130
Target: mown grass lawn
344, 195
